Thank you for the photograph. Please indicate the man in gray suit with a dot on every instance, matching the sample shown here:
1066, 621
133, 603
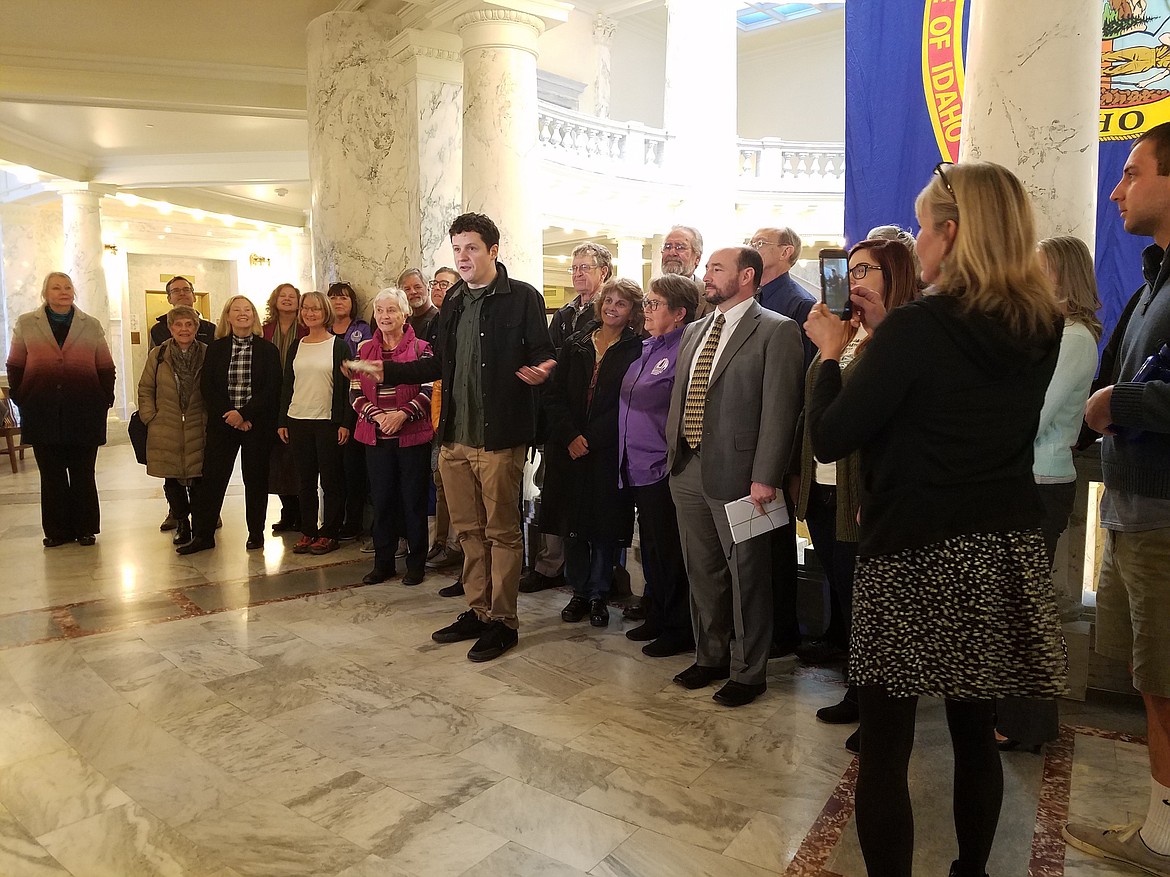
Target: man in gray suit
729, 433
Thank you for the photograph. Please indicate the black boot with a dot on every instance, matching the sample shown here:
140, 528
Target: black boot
182, 531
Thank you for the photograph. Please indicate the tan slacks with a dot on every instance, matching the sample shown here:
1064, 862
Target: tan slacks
483, 496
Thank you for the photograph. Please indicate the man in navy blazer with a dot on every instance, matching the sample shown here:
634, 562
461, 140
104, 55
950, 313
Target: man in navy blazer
748, 420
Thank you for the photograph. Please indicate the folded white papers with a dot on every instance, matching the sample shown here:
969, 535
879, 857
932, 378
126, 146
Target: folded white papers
747, 522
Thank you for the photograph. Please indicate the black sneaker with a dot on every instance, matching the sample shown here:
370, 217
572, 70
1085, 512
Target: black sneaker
496, 640
466, 626
576, 609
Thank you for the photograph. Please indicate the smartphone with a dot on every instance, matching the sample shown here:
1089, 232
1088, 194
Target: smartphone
835, 281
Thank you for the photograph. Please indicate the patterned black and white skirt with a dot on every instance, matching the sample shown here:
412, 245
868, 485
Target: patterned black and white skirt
970, 617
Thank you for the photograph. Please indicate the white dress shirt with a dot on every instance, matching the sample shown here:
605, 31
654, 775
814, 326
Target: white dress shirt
731, 318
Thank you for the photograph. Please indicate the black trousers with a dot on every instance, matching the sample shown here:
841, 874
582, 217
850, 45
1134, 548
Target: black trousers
180, 497
399, 479
357, 485
665, 572
69, 497
317, 455
219, 459
785, 627
838, 560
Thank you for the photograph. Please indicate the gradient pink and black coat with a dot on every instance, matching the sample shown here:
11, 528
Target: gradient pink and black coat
63, 392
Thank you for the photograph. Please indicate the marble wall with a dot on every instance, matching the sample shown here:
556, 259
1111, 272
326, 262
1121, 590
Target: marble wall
1032, 104
438, 109
30, 247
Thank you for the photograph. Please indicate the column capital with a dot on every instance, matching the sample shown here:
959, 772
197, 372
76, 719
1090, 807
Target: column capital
430, 54
603, 29
499, 28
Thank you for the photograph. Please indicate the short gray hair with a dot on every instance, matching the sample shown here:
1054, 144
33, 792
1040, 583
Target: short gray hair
183, 312
601, 255
696, 238
396, 295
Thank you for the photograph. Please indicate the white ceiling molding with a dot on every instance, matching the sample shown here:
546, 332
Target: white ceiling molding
92, 62
203, 169
19, 147
225, 204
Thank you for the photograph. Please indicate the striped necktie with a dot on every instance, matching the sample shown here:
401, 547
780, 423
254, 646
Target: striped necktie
697, 391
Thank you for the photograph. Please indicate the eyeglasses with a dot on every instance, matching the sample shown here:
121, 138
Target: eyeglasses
757, 244
441, 284
675, 248
938, 169
858, 271
650, 305
581, 269
311, 309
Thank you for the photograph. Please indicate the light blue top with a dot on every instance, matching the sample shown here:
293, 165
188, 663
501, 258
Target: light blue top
1064, 405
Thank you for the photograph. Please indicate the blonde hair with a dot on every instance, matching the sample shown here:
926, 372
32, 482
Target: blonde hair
50, 276
993, 267
224, 327
631, 292
326, 307
1071, 267
270, 307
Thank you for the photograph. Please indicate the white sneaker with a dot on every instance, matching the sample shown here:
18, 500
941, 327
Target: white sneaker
1119, 843
367, 546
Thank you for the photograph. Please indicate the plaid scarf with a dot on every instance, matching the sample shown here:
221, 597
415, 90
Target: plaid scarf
240, 372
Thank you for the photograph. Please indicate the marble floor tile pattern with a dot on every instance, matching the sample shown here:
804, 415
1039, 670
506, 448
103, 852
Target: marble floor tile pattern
235, 714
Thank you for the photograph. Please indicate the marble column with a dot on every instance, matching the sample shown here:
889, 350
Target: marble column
699, 114
18, 268
300, 251
1031, 104
384, 147
500, 132
81, 219
603, 28
656, 243
628, 261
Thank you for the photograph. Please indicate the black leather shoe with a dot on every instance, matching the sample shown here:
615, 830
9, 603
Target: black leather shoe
576, 609
195, 545
643, 633
496, 640
255, 540
666, 646
86, 539
377, 576
843, 713
739, 693
698, 676
284, 527
51, 542
413, 577
466, 626
853, 742
182, 532
532, 582
169, 523
598, 613
455, 589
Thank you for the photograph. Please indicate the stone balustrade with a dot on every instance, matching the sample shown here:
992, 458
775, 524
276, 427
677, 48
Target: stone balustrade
631, 149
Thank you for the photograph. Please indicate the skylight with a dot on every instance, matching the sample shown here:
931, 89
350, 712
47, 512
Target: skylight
753, 16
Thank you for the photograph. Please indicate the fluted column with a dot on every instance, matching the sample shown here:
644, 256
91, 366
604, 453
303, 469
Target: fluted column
629, 262
699, 112
81, 220
603, 28
1031, 103
500, 131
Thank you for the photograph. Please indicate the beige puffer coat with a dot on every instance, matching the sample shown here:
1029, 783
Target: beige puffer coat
174, 439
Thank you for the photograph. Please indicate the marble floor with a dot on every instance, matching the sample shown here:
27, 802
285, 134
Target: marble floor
263, 713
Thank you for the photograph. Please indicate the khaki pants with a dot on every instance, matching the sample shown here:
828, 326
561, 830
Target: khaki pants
483, 496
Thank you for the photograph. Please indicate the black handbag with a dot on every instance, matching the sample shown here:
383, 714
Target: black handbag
137, 430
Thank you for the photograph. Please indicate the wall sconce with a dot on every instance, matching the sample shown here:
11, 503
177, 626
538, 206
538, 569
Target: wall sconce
112, 249
255, 261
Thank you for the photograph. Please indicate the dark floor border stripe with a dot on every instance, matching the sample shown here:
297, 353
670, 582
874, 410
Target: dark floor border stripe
826, 830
